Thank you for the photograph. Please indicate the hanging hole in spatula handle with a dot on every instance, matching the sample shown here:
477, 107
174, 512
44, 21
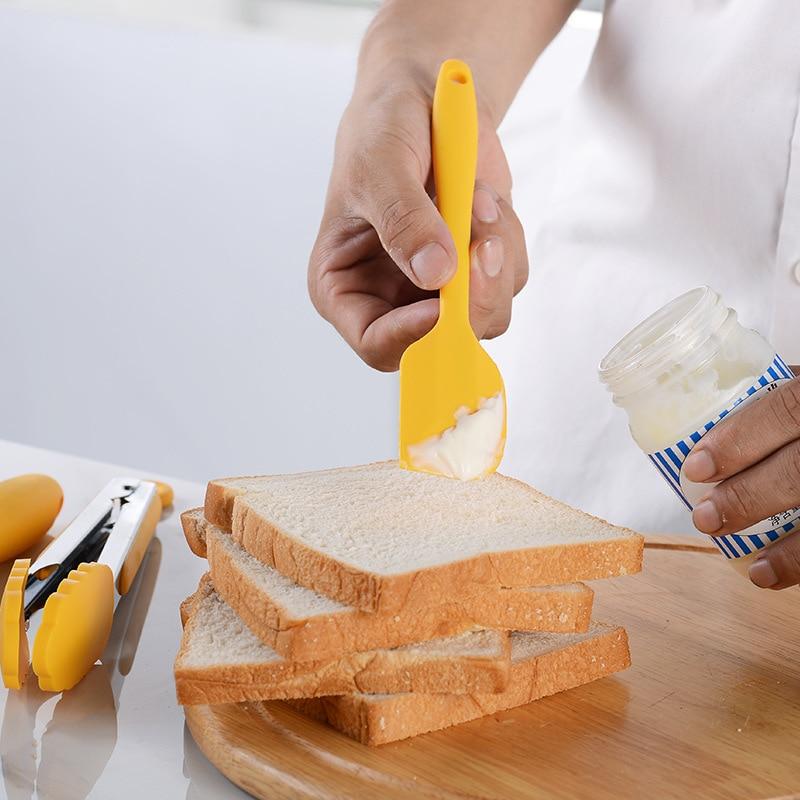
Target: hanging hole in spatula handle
458, 76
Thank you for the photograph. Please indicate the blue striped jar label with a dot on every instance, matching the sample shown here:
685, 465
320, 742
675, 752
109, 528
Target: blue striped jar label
669, 463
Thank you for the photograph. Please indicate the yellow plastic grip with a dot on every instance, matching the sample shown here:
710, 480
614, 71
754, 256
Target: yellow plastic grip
76, 623
14, 658
455, 154
165, 493
144, 535
29, 504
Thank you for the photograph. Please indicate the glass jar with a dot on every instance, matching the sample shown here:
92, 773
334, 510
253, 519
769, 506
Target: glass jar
677, 375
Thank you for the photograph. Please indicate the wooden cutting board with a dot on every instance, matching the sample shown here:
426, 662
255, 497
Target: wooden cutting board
709, 709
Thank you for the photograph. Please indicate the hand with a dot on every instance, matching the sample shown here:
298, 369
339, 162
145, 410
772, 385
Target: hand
756, 456
383, 249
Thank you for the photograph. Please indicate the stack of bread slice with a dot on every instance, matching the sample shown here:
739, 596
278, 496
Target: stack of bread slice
392, 603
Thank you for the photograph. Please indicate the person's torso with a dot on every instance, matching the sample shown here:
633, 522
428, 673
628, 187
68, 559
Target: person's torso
679, 166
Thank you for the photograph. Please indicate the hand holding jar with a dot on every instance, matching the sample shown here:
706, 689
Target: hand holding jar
717, 412
754, 458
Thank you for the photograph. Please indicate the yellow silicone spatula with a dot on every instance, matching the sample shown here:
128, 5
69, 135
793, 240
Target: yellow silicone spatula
447, 371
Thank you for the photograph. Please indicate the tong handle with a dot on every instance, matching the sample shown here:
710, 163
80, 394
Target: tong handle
165, 493
29, 504
139, 545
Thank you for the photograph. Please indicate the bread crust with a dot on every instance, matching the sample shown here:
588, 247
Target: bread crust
194, 532
377, 671
369, 591
554, 608
218, 508
376, 721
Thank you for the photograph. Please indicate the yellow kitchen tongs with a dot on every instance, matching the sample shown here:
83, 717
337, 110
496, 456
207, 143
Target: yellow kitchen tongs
78, 580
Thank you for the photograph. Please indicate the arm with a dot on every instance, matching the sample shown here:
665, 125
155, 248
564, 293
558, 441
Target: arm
382, 248
500, 41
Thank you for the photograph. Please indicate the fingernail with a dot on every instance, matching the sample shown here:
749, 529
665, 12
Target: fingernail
484, 206
699, 466
489, 255
431, 265
762, 574
706, 517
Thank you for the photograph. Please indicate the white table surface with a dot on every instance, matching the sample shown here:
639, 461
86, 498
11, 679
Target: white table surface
120, 733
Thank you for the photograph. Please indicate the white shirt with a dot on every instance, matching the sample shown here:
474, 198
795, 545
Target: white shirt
679, 166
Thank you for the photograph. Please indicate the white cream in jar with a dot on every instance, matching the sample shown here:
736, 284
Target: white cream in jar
677, 375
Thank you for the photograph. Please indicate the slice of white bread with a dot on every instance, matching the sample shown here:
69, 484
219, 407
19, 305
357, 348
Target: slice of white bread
301, 624
383, 538
221, 661
541, 664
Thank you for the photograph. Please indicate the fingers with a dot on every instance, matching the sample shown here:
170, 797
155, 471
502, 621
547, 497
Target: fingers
770, 487
382, 342
779, 567
498, 262
372, 305
390, 194
377, 330
747, 437
383, 247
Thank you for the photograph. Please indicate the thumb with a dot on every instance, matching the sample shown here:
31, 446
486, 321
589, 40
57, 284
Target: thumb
409, 225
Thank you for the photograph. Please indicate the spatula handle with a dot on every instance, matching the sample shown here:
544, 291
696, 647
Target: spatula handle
455, 154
